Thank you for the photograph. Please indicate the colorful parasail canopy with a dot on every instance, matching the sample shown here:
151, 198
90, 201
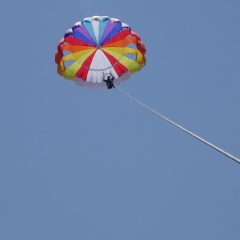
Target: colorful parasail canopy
98, 47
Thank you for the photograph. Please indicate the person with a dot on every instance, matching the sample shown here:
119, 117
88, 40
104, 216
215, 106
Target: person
109, 81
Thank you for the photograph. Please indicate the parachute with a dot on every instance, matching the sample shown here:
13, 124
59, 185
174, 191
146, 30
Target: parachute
98, 47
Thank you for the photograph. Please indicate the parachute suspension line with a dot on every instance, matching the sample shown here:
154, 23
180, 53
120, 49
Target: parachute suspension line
183, 129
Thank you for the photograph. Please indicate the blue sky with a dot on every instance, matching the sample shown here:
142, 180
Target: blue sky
92, 164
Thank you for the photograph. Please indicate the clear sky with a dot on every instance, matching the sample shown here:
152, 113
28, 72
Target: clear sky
82, 164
